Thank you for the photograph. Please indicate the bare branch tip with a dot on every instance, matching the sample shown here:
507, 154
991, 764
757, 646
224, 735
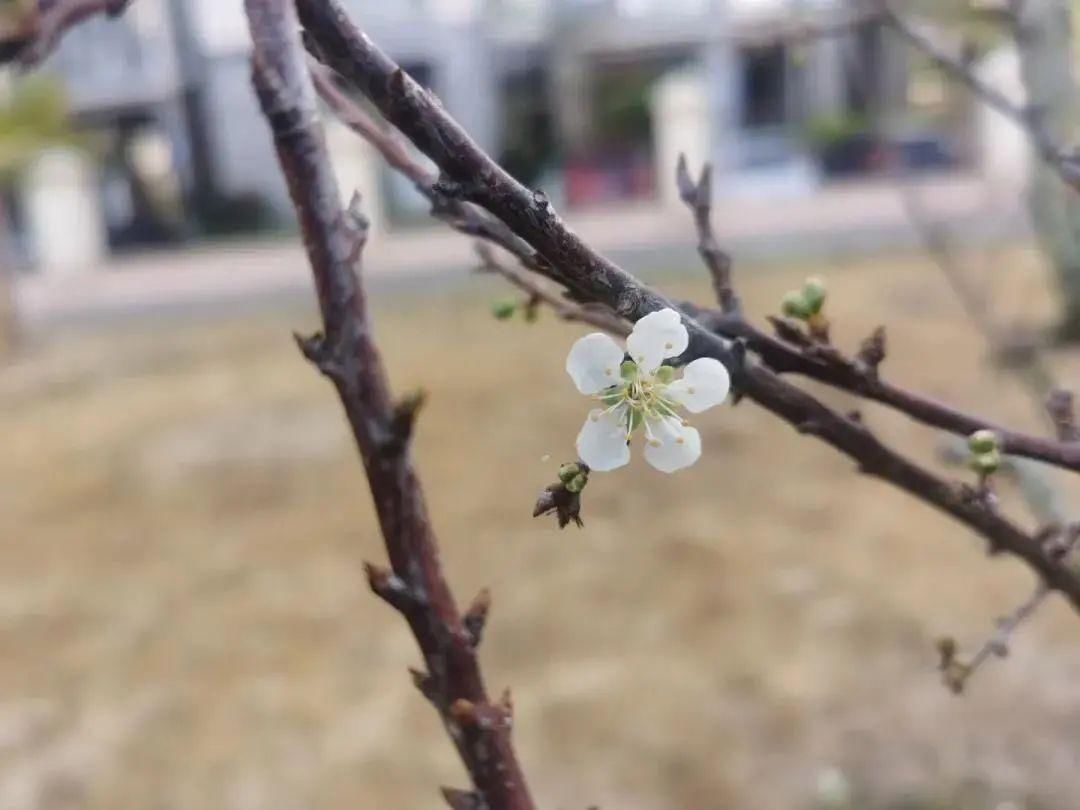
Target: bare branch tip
391, 588
462, 799
425, 684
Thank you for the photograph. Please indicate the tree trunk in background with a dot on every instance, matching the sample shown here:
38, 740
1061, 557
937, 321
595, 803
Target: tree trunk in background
1046, 67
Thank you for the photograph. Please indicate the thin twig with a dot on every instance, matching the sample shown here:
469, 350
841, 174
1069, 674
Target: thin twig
540, 293
698, 196
42, 30
1030, 121
349, 356
471, 174
957, 673
1037, 377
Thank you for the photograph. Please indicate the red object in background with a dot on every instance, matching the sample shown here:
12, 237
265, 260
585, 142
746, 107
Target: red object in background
612, 177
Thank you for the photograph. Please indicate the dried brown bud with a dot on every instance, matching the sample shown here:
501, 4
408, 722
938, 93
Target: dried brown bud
462, 799
872, 351
464, 711
560, 499
476, 616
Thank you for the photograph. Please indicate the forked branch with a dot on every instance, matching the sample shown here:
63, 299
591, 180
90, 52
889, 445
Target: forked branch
471, 175
33, 34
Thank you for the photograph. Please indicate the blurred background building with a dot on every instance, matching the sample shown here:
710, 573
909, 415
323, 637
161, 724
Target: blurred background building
590, 99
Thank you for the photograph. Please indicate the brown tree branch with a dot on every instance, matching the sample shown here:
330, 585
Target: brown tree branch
600, 317
698, 196
348, 355
829, 366
468, 173
1030, 121
462, 216
1037, 377
38, 34
857, 376
956, 673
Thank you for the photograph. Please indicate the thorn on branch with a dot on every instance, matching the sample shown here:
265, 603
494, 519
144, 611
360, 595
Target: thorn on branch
872, 352
426, 685
316, 349
392, 589
463, 799
476, 616
403, 421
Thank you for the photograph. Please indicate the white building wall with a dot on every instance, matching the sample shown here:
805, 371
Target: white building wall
64, 218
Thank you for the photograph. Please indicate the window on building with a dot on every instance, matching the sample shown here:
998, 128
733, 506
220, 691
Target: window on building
764, 86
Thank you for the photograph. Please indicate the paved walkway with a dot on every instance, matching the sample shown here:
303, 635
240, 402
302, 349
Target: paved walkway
857, 217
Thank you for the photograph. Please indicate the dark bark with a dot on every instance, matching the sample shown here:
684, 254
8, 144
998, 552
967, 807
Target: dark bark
469, 174
348, 355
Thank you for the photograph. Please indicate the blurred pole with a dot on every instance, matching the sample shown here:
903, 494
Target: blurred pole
1044, 40
10, 332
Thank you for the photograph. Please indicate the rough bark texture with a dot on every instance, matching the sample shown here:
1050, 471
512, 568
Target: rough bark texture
348, 355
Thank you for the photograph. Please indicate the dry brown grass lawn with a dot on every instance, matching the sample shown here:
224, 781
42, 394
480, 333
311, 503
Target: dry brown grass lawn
183, 621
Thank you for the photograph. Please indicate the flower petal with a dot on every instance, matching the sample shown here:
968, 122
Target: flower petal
593, 363
602, 441
657, 336
671, 444
705, 383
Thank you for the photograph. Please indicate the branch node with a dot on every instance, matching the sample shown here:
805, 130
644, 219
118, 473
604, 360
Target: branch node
872, 352
392, 589
425, 683
463, 799
402, 422
317, 350
475, 617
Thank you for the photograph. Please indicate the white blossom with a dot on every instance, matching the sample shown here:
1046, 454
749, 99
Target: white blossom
642, 392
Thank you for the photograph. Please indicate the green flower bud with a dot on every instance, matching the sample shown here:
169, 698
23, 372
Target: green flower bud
568, 471
983, 441
794, 305
986, 463
665, 374
577, 483
628, 369
814, 293
504, 309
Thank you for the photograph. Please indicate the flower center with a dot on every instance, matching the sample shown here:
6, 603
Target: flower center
641, 398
